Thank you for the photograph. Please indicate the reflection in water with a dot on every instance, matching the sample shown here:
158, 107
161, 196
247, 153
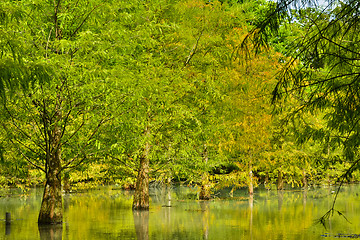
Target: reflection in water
168, 204
51, 232
7, 223
141, 222
251, 208
304, 199
106, 213
280, 199
204, 205
7, 229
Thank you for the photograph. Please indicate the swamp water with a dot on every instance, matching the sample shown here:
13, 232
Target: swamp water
105, 213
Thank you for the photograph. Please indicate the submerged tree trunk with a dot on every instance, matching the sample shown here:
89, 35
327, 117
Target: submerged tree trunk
51, 211
141, 196
205, 186
51, 206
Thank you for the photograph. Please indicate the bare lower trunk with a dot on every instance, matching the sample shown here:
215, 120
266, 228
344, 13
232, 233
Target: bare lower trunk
141, 196
51, 211
205, 184
51, 206
267, 183
66, 182
304, 180
251, 180
204, 192
280, 181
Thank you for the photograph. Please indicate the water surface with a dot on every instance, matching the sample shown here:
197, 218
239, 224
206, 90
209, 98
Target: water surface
105, 213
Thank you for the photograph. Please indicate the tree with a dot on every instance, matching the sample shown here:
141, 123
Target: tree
18, 67
52, 126
151, 85
323, 72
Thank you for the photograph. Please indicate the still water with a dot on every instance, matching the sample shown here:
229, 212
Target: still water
105, 213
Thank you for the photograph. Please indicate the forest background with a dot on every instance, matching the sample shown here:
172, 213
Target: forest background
131, 92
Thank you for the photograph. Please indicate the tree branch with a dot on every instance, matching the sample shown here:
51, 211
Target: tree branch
193, 50
78, 28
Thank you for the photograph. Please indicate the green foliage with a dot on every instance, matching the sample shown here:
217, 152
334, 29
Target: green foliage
117, 76
19, 67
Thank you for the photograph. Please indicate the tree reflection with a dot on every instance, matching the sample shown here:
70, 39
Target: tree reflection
141, 222
204, 205
7, 229
251, 207
280, 199
305, 192
51, 231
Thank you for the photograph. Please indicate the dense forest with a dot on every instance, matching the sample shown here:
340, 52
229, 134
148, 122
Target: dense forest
215, 94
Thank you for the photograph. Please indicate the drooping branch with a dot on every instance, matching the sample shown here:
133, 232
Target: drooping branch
37, 122
25, 156
87, 16
121, 161
73, 134
332, 210
194, 49
12, 118
67, 165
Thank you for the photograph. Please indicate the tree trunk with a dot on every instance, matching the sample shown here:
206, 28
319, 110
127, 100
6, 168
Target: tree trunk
280, 181
66, 182
205, 186
51, 206
304, 180
204, 192
51, 211
266, 183
141, 196
251, 180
